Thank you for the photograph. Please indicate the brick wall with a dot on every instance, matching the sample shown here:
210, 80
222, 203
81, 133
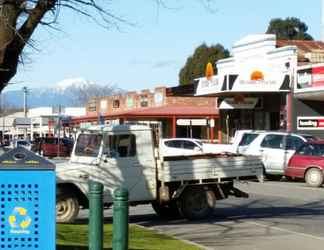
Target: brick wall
145, 98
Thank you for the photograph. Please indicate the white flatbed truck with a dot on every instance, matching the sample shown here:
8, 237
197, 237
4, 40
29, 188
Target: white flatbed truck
128, 156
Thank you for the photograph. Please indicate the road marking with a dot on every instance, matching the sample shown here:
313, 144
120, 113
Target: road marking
285, 230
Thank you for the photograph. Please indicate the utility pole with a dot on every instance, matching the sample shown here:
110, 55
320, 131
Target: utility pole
25, 90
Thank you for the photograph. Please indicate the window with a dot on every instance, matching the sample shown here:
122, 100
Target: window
103, 105
273, 141
311, 150
189, 145
119, 146
116, 104
92, 106
173, 144
88, 145
247, 138
144, 101
293, 142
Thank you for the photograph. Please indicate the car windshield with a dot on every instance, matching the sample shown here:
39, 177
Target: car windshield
199, 142
88, 145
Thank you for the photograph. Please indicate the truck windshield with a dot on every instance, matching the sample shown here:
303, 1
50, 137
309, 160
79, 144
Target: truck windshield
88, 145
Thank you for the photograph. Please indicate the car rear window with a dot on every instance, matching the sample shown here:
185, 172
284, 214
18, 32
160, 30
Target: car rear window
50, 140
247, 138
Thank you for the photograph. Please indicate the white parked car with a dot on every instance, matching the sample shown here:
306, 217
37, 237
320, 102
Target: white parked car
190, 146
275, 149
21, 143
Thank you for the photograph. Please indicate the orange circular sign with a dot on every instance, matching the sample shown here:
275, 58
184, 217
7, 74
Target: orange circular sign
257, 75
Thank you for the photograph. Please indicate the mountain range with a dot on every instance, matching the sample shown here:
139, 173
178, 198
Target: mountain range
60, 94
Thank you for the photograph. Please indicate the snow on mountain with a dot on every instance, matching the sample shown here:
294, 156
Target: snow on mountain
78, 82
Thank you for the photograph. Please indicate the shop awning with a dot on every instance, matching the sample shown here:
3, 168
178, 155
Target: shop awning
232, 103
314, 95
229, 85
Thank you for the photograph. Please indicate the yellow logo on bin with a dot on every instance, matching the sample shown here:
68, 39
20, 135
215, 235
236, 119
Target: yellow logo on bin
19, 221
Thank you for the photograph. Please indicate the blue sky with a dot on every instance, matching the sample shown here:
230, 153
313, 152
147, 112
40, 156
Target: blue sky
151, 52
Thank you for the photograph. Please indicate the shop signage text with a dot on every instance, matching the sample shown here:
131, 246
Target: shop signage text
310, 123
310, 77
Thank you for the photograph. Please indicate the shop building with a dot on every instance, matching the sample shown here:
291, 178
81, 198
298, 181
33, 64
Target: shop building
253, 85
174, 109
308, 102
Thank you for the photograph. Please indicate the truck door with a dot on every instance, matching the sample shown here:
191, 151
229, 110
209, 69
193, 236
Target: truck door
122, 164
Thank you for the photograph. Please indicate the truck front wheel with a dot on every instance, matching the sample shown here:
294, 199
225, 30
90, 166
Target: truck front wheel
197, 203
67, 208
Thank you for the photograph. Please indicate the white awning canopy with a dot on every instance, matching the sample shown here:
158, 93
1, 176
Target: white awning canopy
246, 103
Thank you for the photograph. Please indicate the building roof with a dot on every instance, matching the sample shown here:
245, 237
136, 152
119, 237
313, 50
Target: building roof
157, 112
305, 49
303, 45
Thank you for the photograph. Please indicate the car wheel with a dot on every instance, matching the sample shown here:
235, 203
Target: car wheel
314, 177
67, 208
197, 203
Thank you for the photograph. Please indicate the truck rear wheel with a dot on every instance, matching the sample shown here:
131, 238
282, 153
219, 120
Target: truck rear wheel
197, 203
166, 211
67, 208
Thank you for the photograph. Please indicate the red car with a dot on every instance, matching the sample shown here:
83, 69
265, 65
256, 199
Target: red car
308, 163
51, 148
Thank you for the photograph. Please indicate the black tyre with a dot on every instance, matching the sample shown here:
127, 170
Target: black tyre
289, 178
314, 177
67, 208
273, 177
167, 210
197, 203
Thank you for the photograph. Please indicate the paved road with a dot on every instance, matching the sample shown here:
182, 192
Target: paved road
280, 216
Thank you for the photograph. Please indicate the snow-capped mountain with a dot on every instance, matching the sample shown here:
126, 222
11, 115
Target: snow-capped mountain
63, 93
72, 83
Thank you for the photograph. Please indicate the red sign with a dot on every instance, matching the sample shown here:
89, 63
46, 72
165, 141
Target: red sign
318, 76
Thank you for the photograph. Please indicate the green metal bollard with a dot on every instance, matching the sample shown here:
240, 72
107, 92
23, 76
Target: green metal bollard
95, 215
120, 219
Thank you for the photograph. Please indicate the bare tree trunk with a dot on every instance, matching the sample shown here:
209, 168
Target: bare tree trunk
9, 13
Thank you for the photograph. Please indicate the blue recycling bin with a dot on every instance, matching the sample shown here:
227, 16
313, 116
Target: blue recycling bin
27, 201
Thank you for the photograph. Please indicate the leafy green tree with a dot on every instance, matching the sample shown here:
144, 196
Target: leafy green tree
196, 64
290, 28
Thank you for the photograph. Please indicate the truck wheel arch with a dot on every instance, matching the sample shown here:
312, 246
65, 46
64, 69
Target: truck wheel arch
64, 188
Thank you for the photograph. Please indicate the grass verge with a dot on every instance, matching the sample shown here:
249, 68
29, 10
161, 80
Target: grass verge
75, 237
